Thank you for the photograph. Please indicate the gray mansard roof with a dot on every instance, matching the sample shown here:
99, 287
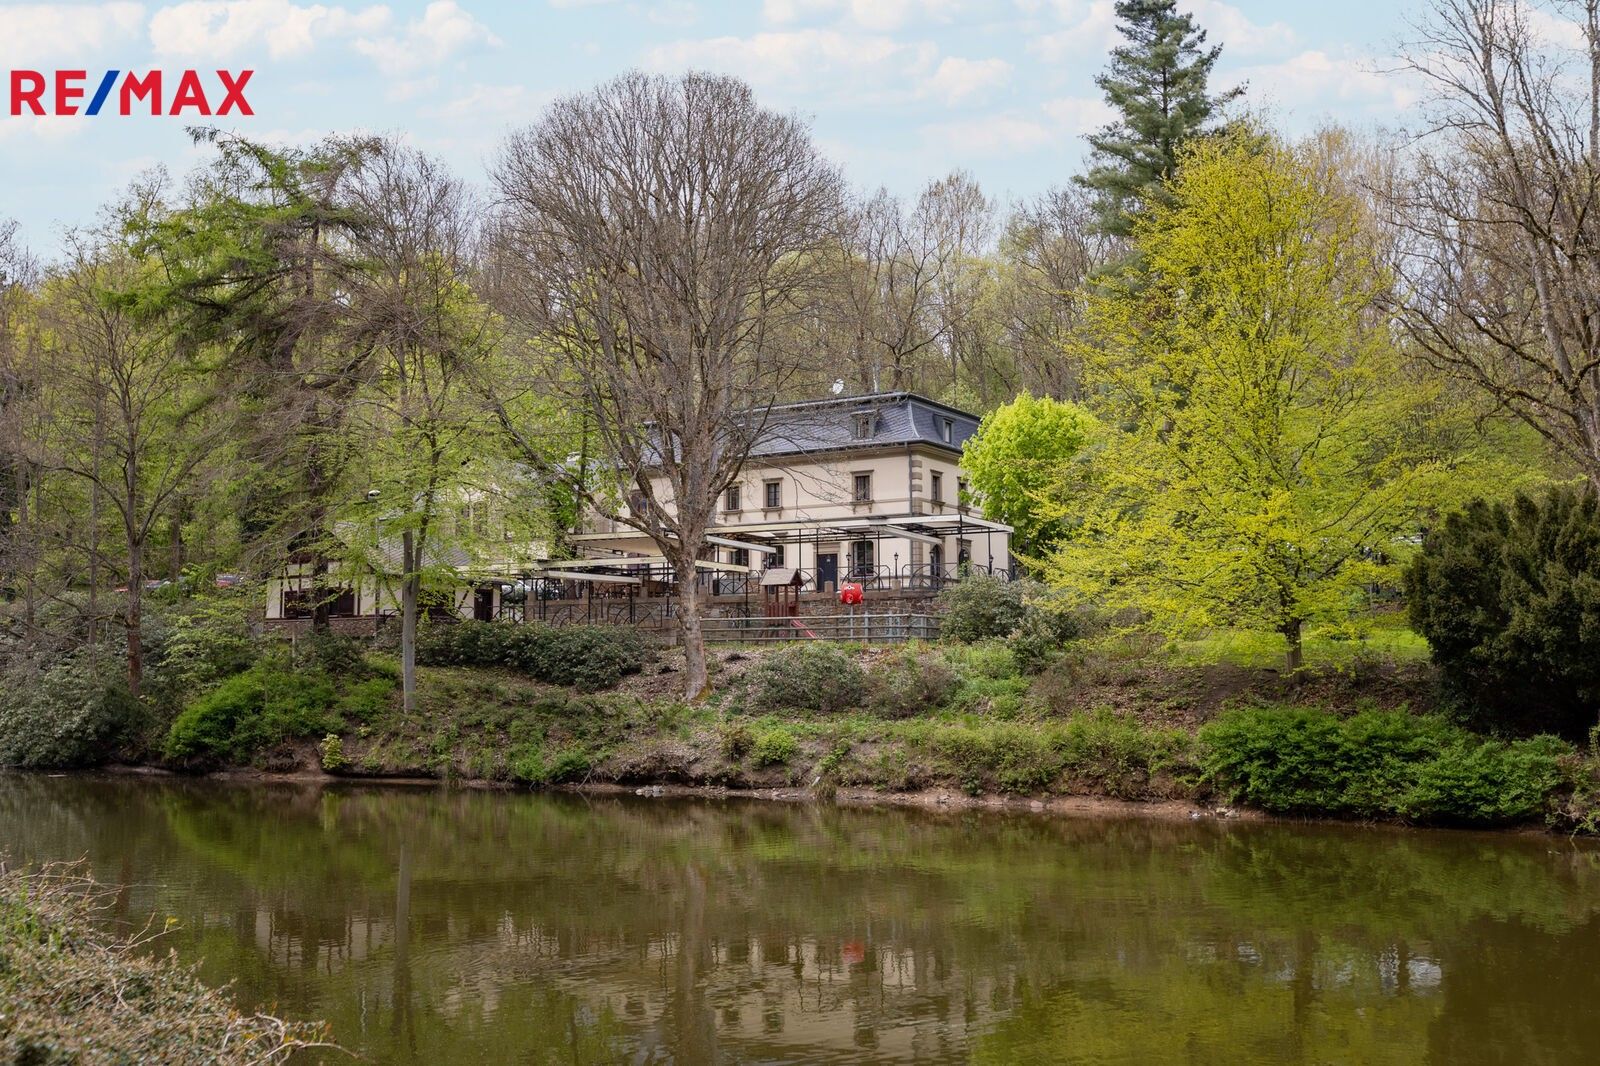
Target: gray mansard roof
897, 419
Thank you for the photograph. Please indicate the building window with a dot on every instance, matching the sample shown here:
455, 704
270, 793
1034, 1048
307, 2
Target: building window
739, 556
938, 487
774, 491
861, 559
732, 502
861, 426
947, 430
775, 557
302, 603
863, 488
963, 494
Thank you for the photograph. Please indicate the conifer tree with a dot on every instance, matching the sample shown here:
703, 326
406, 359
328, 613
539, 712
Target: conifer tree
1157, 81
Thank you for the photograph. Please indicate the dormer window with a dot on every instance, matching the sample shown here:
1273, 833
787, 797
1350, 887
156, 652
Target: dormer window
861, 426
947, 430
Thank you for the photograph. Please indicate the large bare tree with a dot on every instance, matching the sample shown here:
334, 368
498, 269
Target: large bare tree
1500, 260
669, 235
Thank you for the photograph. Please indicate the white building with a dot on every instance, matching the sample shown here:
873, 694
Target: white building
866, 489
861, 488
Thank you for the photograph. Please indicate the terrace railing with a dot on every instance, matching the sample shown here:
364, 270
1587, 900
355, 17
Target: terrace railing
867, 627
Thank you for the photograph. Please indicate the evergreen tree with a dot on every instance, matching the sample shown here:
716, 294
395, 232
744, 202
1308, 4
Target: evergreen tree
1158, 83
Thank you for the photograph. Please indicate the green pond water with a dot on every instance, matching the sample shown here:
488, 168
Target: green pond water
444, 927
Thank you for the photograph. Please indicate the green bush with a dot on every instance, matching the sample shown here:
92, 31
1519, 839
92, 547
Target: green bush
774, 747
589, 658
991, 659
207, 639
366, 700
737, 741
332, 752
1509, 601
1379, 764
530, 765
981, 607
251, 711
807, 676
1118, 756
1046, 628
911, 680
78, 712
332, 653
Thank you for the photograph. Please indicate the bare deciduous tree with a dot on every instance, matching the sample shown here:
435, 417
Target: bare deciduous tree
1500, 259
669, 233
1048, 253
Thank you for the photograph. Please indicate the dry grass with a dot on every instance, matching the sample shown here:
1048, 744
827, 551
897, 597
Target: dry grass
72, 993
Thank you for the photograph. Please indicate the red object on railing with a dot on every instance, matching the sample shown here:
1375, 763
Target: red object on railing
850, 593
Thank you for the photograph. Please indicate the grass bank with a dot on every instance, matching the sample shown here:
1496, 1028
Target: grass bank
70, 992
1357, 739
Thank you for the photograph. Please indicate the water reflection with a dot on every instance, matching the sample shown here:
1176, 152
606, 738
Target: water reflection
432, 927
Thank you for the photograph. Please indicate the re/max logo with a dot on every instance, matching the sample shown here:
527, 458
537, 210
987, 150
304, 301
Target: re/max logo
29, 90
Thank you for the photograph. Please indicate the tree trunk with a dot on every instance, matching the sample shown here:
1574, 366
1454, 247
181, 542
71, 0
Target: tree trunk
134, 617
409, 583
1296, 654
696, 681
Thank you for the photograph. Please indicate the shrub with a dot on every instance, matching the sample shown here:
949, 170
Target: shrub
332, 653
775, 747
911, 680
1378, 764
331, 751
1039, 638
992, 659
589, 658
530, 765
251, 711
737, 741
78, 712
207, 640
365, 700
1118, 756
1509, 600
807, 676
981, 607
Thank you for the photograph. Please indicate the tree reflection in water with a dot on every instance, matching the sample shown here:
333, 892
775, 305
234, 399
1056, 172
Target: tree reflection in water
436, 926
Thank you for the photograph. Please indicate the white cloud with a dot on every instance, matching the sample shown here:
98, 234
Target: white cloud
492, 105
1089, 28
826, 62
673, 13
1078, 115
1228, 26
879, 16
445, 30
990, 135
35, 33
220, 28
957, 79
1316, 81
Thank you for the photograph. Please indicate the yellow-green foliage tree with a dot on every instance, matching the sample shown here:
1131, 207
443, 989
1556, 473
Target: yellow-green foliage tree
1268, 457
1017, 461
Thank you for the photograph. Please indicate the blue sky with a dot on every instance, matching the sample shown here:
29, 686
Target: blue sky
898, 91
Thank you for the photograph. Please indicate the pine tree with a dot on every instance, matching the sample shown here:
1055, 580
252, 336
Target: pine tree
1158, 83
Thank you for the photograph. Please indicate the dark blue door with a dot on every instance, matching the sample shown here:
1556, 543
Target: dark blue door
827, 571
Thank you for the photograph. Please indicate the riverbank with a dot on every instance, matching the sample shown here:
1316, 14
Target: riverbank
944, 726
70, 991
